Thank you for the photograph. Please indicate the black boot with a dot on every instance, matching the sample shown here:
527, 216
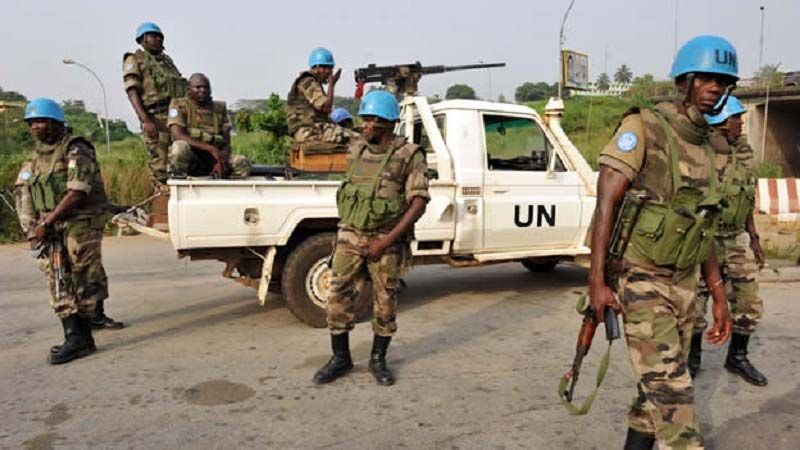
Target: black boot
695, 354
339, 364
636, 440
101, 320
75, 345
738, 363
377, 361
86, 331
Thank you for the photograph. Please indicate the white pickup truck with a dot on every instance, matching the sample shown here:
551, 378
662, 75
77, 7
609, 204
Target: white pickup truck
505, 186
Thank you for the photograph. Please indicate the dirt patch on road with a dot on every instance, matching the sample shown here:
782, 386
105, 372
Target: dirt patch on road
218, 392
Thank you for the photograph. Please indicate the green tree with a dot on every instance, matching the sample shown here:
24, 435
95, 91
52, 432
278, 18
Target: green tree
531, 92
769, 73
460, 91
348, 103
272, 119
11, 96
603, 82
623, 74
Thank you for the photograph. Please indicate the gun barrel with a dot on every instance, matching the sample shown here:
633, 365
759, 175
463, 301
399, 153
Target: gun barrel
473, 66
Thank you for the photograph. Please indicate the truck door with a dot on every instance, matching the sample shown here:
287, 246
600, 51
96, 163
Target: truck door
526, 207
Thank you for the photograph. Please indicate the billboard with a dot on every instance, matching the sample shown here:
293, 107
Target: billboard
574, 70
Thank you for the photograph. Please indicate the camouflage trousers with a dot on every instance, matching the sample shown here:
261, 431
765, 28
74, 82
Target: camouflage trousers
85, 282
158, 151
323, 132
184, 161
658, 306
347, 267
739, 268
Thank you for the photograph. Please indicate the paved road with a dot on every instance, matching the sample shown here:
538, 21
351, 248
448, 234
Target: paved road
478, 357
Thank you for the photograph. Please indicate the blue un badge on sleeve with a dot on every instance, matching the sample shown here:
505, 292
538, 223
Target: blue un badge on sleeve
173, 112
627, 141
25, 176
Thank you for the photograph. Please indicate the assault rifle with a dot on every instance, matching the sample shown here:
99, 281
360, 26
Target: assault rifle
52, 247
620, 237
404, 78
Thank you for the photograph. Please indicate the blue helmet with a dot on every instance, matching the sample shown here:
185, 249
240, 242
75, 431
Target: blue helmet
381, 104
320, 57
340, 114
709, 54
732, 107
44, 108
147, 27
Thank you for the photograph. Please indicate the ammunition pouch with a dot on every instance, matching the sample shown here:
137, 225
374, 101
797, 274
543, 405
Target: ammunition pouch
680, 233
206, 137
358, 205
47, 190
741, 202
360, 208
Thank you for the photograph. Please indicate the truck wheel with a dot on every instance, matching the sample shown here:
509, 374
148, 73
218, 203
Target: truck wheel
306, 279
539, 266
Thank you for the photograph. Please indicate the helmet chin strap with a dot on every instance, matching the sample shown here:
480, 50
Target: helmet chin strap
722, 101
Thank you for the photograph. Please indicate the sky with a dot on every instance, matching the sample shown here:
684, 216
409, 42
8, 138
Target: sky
252, 48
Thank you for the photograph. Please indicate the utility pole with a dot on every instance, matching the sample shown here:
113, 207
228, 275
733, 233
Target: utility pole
105, 101
761, 40
561, 39
675, 29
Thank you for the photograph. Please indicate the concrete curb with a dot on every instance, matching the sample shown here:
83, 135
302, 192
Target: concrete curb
779, 275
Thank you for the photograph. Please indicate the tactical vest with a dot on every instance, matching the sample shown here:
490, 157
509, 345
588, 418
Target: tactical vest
48, 183
162, 80
205, 123
299, 111
739, 191
362, 201
677, 229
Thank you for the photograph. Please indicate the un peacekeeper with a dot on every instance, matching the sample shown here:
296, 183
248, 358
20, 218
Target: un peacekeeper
665, 153
151, 81
60, 191
201, 133
384, 194
342, 117
308, 105
738, 248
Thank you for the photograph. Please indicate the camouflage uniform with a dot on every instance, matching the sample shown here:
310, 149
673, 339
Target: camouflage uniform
403, 178
208, 123
71, 163
736, 258
157, 80
304, 116
657, 301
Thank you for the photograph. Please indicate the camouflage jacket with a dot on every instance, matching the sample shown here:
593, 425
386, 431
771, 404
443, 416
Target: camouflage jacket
208, 123
155, 77
68, 165
304, 102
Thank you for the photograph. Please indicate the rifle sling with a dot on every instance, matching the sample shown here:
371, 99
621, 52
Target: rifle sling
602, 369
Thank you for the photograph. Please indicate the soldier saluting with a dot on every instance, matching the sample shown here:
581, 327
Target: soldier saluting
308, 105
151, 81
62, 208
665, 154
384, 193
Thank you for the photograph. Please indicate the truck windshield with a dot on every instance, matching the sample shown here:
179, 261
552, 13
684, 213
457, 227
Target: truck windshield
515, 143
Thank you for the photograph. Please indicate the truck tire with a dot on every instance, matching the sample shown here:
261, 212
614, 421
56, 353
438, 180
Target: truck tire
541, 265
305, 279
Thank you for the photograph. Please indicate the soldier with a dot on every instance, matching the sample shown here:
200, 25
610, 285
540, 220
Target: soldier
383, 195
738, 247
201, 131
151, 82
308, 105
60, 197
665, 154
342, 117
